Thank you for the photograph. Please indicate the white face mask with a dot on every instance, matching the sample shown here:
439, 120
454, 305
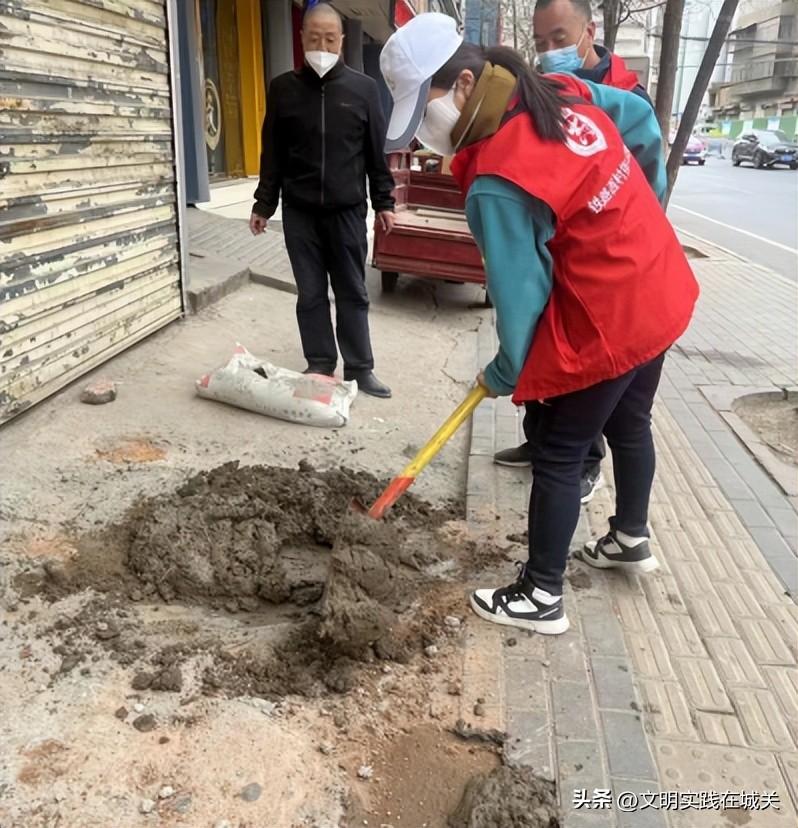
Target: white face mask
321, 62
435, 131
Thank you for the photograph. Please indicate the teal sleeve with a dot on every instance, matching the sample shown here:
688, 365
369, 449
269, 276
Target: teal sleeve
638, 125
511, 229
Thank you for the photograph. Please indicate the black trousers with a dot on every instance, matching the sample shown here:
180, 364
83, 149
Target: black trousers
595, 454
563, 429
329, 248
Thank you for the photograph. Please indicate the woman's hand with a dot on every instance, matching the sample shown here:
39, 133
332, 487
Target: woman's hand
481, 382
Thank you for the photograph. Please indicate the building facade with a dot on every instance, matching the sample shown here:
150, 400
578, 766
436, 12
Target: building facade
760, 88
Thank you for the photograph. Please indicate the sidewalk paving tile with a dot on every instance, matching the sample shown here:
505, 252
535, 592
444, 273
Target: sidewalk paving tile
566, 656
579, 766
784, 684
762, 720
739, 600
666, 709
573, 708
767, 587
720, 729
627, 746
642, 816
527, 683
604, 634
785, 617
685, 767
650, 657
614, 686
789, 767
681, 636
735, 663
764, 642
635, 614
711, 616
529, 741
664, 594
702, 685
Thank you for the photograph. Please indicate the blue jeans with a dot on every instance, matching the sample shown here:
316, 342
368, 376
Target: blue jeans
562, 430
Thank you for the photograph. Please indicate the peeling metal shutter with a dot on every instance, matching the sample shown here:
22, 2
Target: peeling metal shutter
89, 254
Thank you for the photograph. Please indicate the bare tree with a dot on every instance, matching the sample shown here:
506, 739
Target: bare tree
616, 12
668, 63
517, 26
702, 79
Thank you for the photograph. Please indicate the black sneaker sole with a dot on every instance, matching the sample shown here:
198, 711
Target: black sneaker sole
556, 627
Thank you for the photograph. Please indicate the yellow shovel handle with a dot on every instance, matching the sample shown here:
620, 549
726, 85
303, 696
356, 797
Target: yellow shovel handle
442, 435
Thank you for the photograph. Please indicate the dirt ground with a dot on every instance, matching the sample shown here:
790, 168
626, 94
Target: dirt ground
243, 651
774, 418
187, 634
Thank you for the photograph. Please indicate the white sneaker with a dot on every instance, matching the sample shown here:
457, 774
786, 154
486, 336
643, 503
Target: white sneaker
517, 606
609, 553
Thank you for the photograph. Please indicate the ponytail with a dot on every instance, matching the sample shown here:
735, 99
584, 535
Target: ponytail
539, 96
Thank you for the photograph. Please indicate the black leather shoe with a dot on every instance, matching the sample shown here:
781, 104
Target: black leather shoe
317, 369
369, 384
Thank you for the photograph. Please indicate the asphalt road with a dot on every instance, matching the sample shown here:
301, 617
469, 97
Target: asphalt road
751, 212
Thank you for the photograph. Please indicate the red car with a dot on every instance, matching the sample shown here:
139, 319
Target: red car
694, 153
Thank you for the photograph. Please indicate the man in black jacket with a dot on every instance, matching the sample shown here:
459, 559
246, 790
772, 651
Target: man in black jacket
323, 135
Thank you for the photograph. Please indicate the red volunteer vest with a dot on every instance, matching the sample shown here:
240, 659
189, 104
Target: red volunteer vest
620, 76
622, 290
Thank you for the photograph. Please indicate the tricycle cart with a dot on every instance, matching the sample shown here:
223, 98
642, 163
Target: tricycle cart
430, 238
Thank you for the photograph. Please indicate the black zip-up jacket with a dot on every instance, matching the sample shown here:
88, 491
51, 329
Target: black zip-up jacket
321, 138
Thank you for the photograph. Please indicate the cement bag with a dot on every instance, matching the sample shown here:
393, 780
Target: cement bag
251, 383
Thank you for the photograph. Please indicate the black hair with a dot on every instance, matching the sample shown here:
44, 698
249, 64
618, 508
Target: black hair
322, 9
583, 6
539, 96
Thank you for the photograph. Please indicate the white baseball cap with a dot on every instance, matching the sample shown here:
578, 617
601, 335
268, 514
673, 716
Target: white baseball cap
409, 59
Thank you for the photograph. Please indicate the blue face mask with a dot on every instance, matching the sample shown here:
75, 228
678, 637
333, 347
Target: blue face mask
562, 60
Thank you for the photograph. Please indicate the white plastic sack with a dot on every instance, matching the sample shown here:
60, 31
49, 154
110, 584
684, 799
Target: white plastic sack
259, 386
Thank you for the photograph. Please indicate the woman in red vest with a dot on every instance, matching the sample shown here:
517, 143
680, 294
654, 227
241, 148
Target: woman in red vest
588, 279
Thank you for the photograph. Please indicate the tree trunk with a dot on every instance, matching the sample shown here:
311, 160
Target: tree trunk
693, 105
668, 63
611, 10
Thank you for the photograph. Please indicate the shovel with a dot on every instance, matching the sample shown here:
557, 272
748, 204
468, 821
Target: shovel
400, 484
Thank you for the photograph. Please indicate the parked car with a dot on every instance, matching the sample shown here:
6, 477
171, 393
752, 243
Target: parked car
765, 148
695, 152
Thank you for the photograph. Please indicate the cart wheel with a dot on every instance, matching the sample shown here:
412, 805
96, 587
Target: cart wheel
389, 280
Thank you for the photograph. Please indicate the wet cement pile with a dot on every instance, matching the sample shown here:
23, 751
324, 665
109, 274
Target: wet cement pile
258, 533
245, 538
508, 798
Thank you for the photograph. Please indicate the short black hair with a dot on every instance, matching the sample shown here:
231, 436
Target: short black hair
322, 9
583, 6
